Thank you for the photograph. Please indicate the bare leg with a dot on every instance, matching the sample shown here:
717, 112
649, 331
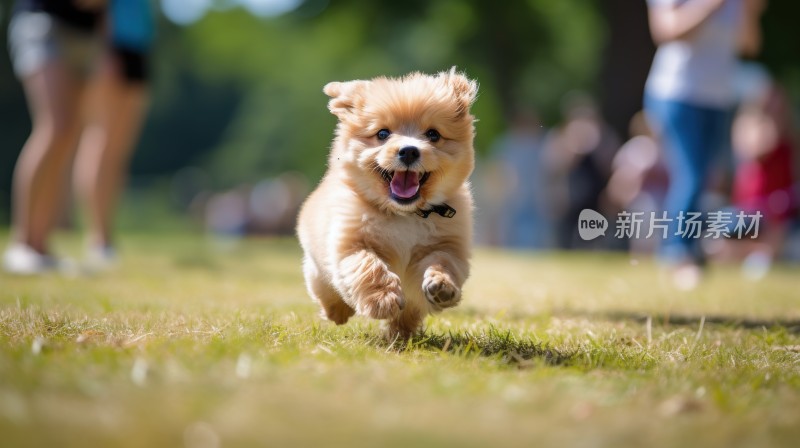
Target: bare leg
54, 102
116, 114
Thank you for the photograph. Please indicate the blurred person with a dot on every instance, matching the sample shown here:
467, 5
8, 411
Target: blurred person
581, 150
764, 144
489, 184
522, 218
638, 179
83, 67
273, 204
226, 214
689, 99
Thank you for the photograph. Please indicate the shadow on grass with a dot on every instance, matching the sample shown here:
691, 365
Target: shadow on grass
675, 319
492, 343
687, 320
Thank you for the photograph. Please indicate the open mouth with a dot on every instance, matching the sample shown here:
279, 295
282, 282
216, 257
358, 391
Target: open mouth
404, 186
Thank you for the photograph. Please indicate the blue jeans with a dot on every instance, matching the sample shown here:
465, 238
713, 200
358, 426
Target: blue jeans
691, 137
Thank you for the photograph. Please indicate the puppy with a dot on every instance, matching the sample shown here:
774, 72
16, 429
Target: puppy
387, 232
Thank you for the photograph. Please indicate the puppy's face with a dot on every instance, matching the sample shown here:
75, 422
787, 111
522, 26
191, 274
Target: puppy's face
404, 143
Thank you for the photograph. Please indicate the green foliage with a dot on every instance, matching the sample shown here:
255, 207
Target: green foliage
522, 51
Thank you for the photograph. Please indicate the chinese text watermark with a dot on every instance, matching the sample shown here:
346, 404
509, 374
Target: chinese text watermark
689, 225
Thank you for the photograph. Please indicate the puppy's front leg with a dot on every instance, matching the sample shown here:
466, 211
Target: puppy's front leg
369, 286
443, 276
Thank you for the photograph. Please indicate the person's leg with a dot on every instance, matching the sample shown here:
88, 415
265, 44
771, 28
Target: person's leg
117, 109
690, 139
54, 101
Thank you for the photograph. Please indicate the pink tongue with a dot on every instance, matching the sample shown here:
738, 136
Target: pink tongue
405, 184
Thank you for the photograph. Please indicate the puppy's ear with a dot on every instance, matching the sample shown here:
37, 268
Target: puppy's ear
345, 97
464, 89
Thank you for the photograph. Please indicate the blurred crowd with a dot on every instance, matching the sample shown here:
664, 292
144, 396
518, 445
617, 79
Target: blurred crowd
537, 180
268, 207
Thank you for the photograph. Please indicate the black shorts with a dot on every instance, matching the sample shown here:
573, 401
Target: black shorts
133, 64
36, 37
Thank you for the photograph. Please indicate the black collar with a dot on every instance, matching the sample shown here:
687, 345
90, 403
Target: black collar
443, 210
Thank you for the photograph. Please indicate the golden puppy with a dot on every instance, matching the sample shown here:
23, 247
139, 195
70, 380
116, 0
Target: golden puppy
387, 232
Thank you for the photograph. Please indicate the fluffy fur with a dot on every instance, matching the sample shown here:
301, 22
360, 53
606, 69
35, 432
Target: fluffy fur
367, 251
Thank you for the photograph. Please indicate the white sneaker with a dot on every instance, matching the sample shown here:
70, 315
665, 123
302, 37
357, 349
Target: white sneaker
687, 277
101, 258
21, 259
756, 266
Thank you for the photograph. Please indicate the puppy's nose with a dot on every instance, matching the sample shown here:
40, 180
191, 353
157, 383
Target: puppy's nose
408, 155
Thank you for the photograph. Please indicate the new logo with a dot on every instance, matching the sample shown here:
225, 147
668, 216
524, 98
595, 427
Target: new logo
591, 224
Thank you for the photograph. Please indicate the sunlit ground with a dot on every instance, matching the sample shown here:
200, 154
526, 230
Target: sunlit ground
189, 344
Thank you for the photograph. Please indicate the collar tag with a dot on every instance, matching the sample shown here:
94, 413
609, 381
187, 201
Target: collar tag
443, 210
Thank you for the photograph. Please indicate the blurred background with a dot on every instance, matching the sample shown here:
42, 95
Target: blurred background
238, 130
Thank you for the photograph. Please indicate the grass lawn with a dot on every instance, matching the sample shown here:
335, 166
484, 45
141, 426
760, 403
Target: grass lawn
188, 344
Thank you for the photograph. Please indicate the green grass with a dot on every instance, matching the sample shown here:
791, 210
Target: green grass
194, 344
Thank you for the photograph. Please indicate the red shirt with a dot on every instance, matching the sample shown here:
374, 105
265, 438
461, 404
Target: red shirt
765, 184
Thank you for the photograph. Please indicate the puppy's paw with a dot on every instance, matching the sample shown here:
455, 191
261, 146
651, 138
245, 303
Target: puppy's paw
383, 302
338, 312
440, 289
404, 326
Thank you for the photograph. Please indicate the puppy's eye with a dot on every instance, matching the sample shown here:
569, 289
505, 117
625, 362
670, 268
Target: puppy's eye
383, 134
433, 135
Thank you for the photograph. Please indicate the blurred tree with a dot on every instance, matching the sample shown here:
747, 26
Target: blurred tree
14, 121
522, 51
781, 48
626, 61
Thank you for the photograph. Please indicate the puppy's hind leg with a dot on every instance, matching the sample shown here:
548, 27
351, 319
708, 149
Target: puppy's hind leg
333, 307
